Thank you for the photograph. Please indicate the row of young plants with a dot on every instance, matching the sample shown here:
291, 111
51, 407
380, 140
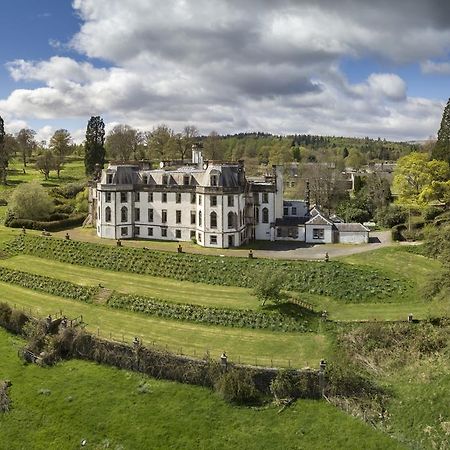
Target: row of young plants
339, 280
48, 285
207, 315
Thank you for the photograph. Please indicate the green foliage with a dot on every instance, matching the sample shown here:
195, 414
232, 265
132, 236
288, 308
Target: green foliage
30, 201
94, 144
431, 212
268, 286
441, 150
207, 315
342, 281
237, 386
289, 384
391, 215
49, 285
52, 225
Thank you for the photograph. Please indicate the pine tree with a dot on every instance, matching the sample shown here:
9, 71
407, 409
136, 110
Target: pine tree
94, 145
442, 148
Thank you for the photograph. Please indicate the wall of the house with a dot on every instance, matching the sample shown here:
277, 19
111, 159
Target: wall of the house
355, 237
327, 235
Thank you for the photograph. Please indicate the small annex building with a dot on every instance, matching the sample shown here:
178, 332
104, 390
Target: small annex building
210, 202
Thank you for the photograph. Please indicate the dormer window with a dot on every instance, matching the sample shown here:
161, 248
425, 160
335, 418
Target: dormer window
214, 180
109, 178
165, 179
145, 179
186, 180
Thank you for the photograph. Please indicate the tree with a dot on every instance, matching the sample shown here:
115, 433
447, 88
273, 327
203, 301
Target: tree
160, 142
213, 146
26, 143
30, 201
441, 150
188, 139
60, 144
4, 153
268, 286
415, 173
45, 163
122, 142
94, 150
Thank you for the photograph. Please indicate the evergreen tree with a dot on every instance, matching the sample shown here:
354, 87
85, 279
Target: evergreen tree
94, 146
3, 153
442, 148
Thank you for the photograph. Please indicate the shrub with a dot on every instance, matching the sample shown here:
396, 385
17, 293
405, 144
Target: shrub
285, 385
3, 202
431, 212
237, 386
391, 215
397, 232
64, 208
30, 201
56, 225
268, 286
69, 190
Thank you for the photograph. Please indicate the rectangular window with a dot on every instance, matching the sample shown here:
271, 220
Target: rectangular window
144, 179
123, 197
137, 214
109, 178
137, 230
231, 200
193, 217
150, 215
164, 216
213, 200
186, 180
265, 197
178, 197
318, 233
163, 232
193, 198
178, 216
108, 197
199, 237
164, 197
178, 234
150, 231
285, 211
213, 239
278, 232
199, 199
150, 197
192, 234
137, 196
294, 211
165, 179
123, 231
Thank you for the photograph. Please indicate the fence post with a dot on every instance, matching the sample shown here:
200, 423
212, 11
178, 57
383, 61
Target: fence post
98, 331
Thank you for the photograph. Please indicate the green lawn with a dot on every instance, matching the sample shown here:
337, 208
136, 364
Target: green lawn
103, 405
250, 346
164, 288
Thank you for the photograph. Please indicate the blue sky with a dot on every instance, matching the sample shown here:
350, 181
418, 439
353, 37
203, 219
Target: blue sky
280, 66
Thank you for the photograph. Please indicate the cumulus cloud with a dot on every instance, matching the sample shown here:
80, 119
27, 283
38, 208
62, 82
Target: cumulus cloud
233, 66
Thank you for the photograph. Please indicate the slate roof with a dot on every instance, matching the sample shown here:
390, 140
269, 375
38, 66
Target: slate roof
351, 227
290, 221
318, 219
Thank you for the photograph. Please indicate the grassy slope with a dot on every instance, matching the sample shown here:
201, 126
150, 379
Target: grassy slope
302, 349
102, 404
164, 288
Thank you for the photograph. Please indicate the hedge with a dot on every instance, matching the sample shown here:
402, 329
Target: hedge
55, 225
48, 285
347, 282
207, 315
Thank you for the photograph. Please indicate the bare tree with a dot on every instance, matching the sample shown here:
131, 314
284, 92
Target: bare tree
213, 146
188, 138
122, 142
45, 163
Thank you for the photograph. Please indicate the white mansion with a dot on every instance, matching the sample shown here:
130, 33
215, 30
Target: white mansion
210, 202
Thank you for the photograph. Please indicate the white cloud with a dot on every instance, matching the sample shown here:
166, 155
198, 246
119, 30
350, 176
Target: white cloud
439, 68
233, 66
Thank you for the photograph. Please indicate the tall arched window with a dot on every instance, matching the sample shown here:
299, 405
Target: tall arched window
124, 214
199, 218
230, 220
107, 214
213, 220
265, 215
256, 215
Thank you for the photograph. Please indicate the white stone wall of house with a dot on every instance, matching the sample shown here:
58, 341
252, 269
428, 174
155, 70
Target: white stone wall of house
319, 234
299, 232
353, 237
265, 214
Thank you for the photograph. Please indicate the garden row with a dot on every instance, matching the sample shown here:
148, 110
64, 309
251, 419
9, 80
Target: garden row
48, 285
210, 316
339, 280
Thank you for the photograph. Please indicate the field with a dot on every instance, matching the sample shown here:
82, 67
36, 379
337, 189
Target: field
77, 400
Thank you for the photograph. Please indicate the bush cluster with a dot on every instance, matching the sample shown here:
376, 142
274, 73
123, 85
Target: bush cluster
53, 225
48, 285
339, 280
207, 315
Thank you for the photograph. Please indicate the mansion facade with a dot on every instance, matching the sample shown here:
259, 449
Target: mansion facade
210, 202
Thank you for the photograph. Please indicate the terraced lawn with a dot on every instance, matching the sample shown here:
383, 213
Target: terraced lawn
245, 345
58, 407
129, 283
